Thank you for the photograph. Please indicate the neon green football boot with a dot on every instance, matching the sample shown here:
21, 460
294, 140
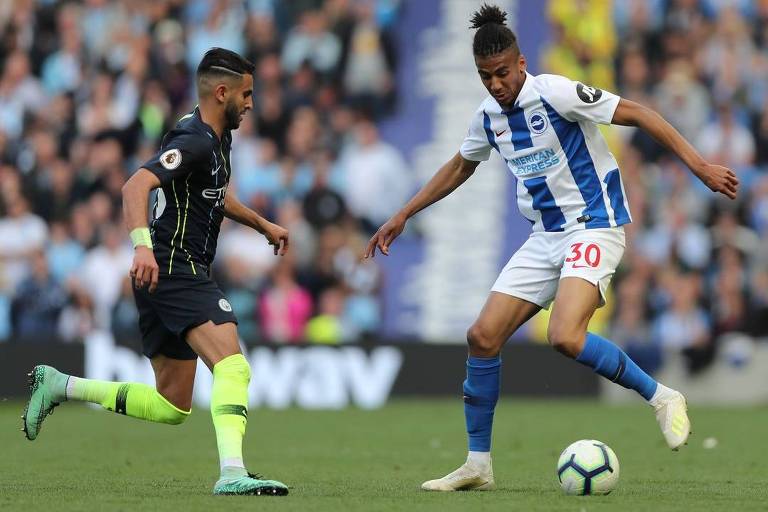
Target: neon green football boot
249, 485
48, 388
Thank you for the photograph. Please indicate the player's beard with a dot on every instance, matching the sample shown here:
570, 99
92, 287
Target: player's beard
232, 116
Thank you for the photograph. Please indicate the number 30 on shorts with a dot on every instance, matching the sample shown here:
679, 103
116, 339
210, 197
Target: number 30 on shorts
590, 255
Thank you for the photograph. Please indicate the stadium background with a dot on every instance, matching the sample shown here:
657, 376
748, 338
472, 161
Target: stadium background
357, 103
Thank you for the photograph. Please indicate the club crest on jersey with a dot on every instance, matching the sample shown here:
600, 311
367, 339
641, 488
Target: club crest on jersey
538, 122
225, 305
588, 94
171, 159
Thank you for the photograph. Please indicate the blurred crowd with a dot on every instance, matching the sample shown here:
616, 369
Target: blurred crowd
88, 88
696, 267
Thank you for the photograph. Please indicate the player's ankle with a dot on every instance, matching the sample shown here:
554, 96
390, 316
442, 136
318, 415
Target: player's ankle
60, 387
662, 393
233, 468
481, 460
230, 472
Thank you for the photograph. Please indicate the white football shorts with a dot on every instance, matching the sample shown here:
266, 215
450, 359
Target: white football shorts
534, 271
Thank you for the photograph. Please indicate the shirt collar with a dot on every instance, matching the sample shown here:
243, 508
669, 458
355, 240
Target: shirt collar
527, 87
205, 125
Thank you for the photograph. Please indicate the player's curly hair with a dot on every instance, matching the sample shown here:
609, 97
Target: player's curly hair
492, 36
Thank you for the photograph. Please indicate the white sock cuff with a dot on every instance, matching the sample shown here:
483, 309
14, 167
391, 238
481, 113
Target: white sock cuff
482, 459
662, 392
232, 462
70, 386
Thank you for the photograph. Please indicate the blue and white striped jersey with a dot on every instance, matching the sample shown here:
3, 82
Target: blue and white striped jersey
567, 179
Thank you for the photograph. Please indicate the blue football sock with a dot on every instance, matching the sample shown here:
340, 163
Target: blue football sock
481, 392
611, 362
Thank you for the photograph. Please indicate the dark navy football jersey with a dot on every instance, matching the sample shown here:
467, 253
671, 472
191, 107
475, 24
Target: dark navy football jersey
193, 166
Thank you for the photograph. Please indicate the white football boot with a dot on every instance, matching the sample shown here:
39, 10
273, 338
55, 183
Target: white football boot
672, 415
468, 477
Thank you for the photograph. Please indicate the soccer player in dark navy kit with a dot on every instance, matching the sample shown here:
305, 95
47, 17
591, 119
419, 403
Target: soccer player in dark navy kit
182, 313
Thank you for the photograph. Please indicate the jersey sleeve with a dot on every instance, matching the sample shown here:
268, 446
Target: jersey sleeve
179, 155
576, 101
475, 146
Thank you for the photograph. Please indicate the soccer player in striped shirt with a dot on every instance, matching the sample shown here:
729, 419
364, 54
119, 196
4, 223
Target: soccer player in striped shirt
570, 189
183, 314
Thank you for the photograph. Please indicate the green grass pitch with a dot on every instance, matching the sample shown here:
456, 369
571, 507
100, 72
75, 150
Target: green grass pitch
375, 460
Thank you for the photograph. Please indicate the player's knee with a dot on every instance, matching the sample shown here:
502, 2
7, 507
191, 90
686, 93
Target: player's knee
564, 340
481, 343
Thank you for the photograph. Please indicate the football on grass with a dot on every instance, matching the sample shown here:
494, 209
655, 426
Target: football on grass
588, 467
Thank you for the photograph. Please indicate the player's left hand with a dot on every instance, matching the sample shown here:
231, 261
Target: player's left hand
719, 179
277, 237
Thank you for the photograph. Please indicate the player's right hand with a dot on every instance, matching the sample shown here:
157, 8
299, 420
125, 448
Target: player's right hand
385, 236
719, 179
144, 270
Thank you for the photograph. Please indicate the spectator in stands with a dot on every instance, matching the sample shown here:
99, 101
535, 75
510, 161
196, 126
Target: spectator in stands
77, 320
630, 326
685, 326
18, 84
322, 205
63, 70
23, 234
103, 270
726, 140
310, 41
64, 254
125, 317
37, 303
327, 327
684, 101
284, 307
371, 165
223, 27
368, 62
728, 292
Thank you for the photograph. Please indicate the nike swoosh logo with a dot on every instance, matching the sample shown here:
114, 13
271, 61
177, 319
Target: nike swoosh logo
499, 134
216, 171
582, 266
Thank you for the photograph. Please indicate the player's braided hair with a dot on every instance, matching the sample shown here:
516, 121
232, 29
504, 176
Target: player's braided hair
492, 36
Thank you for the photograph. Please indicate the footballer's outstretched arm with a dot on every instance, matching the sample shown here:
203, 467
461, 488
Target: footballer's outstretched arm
144, 269
716, 177
277, 236
447, 179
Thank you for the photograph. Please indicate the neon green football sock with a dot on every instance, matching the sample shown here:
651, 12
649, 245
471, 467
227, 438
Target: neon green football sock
132, 399
229, 408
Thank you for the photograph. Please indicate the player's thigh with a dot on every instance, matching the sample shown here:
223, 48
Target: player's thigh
590, 259
500, 317
575, 303
531, 274
213, 342
592, 255
175, 379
